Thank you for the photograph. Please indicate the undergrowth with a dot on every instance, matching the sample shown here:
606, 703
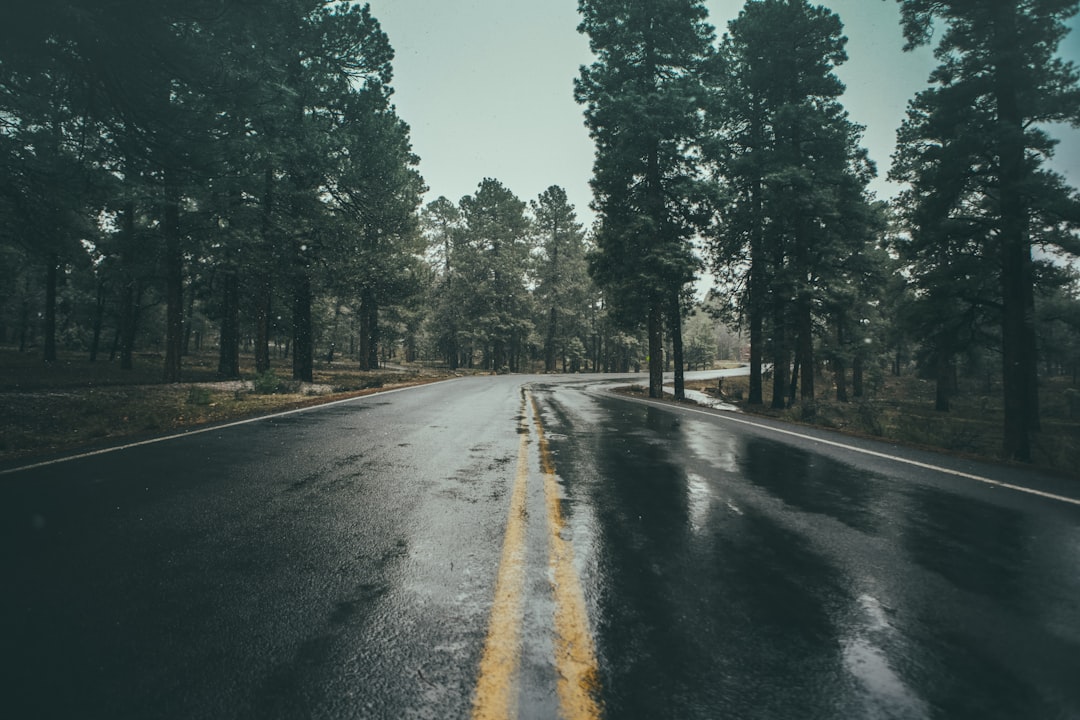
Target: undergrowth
901, 409
74, 403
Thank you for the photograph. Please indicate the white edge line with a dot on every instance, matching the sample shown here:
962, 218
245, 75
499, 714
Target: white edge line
212, 428
873, 453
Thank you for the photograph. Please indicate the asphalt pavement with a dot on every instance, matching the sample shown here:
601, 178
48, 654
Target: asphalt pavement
534, 547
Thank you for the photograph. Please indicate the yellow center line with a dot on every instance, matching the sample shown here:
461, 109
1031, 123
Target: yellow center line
577, 683
496, 688
575, 657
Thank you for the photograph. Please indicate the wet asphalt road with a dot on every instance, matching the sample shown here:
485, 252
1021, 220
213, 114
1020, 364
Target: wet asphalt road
343, 562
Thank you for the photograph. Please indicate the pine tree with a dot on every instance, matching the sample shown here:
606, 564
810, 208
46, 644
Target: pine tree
643, 99
375, 193
224, 145
973, 148
442, 229
794, 205
561, 292
492, 262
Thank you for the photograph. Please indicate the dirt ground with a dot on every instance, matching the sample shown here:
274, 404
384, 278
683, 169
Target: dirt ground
901, 409
74, 404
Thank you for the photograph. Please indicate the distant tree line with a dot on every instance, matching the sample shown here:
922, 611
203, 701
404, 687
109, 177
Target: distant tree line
510, 288
510, 281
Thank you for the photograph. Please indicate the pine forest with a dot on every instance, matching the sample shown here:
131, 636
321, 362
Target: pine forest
226, 179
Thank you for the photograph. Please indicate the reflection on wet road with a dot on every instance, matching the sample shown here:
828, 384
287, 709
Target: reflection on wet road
732, 575
532, 548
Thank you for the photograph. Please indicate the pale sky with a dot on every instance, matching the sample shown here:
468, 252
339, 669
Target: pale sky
487, 88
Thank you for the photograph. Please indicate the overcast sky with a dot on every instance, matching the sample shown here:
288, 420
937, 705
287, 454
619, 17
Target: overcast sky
487, 88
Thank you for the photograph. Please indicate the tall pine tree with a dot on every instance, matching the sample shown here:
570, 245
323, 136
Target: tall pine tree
794, 206
561, 289
973, 149
492, 262
643, 99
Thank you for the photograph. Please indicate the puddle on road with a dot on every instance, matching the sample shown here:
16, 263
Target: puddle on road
713, 445
864, 657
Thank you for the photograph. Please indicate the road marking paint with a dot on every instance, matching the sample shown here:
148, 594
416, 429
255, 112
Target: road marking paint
575, 656
212, 428
496, 688
883, 456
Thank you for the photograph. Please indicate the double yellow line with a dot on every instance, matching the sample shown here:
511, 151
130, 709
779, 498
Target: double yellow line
577, 677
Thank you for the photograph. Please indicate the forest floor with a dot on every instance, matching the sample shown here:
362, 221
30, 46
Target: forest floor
901, 410
74, 404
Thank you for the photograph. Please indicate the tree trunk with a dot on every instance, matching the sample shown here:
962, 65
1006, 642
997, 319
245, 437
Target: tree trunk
677, 346
263, 277
374, 351
263, 309
943, 381
229, 347
1029, 346
755, 396
453, 353
654, 206
303, 350
756, 285
549, 342
512, 353
656, 351
793, 388
1019, 354
1021, 393
174, 284
857, 376
99, 321
805, 349
52, 263
781, 358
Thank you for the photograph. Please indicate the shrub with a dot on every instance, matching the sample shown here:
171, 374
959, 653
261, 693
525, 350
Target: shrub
267, 383
198, 395
870, 419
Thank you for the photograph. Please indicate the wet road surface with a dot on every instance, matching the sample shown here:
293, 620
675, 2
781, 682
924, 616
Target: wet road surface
533, 548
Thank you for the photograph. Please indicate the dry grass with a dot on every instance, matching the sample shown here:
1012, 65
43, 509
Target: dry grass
901, 410
74, 404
